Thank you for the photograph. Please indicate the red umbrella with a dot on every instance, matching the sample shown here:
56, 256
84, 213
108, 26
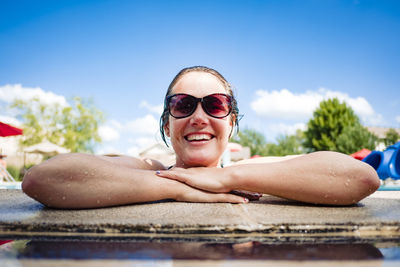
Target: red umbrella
361, 154
8, 130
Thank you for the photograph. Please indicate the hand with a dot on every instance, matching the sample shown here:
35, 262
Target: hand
189, 194
209, 179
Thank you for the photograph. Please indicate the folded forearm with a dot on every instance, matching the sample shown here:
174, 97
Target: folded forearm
83, 181
324, 177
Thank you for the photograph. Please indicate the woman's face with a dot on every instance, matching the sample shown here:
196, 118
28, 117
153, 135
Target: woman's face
198, 140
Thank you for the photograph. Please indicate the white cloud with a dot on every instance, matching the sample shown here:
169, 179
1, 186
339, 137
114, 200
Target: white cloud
145, 142
286, 105
158, 109
10, 92
108, 149
146, 125
397, 119
131, 137
10, 120
108, 133
133, 151
115, 124
140, 144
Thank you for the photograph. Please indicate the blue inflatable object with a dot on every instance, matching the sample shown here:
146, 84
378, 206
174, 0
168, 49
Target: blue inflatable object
386, 163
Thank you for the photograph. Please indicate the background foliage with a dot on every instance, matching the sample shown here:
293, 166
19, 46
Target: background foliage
391, 137
334, 126
73, 126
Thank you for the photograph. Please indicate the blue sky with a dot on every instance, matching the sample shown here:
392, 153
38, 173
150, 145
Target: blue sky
282, 58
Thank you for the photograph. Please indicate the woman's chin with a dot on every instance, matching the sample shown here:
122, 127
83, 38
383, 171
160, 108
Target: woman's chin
200, 162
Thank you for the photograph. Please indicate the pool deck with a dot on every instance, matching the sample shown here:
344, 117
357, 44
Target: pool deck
376, 217
269, 232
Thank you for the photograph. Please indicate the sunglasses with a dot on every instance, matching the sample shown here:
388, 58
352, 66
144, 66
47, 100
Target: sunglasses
183, 105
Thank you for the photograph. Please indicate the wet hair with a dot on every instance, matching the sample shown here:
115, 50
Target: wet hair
235, 110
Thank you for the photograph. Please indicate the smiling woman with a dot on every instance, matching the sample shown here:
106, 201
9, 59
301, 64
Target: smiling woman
200, 113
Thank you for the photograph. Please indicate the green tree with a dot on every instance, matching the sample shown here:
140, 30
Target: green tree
327, 124
252, 139
74, 127
391, 137
286, 145
353, 138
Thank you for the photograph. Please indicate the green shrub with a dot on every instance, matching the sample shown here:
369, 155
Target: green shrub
15, 172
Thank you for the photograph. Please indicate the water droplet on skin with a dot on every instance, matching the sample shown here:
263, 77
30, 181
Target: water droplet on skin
68, 185
63, 197
86, 172
326, 196
335, 201
98, 201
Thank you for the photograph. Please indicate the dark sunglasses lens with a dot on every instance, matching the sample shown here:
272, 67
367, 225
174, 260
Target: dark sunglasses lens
218, 106
181, 105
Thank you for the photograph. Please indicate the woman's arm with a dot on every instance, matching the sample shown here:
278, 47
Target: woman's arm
88, 181
320, 177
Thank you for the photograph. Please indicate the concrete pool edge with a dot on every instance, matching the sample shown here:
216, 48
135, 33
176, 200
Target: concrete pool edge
377, 216
377, 230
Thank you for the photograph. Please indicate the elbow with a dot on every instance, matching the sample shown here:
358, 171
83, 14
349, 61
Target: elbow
31, 183
370, 178
367, 182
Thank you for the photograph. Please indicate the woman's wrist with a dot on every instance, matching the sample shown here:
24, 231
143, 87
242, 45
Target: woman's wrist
242, 177
232, 178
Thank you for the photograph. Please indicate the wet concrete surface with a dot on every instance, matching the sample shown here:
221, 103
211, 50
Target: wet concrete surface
269, 232
377, 215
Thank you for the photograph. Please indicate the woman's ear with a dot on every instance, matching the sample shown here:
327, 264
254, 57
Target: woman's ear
166, 129
232, 124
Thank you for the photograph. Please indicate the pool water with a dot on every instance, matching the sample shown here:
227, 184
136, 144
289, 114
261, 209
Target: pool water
10, 185
76, 249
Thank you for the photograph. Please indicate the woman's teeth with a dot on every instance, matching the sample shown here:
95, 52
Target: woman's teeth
198, 137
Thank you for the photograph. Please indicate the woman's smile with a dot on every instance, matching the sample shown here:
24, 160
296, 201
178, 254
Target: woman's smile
198, 137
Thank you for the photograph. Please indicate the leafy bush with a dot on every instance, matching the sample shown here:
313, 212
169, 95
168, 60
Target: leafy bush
15, 172
391, 137
355, 138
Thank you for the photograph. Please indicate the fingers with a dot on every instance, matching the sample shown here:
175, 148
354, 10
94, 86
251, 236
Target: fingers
222, 197
230, 198
172, 175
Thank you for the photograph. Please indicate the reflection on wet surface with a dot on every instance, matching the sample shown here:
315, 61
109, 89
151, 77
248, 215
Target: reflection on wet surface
252, 250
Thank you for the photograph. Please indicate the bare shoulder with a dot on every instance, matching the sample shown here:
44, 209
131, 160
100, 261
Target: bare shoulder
266, 159
132, 162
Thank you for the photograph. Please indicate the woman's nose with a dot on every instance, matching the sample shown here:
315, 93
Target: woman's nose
199, 116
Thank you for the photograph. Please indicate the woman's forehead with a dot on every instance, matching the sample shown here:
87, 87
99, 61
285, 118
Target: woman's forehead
198, 84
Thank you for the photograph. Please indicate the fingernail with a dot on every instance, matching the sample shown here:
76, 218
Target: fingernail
158, 172
246, 200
